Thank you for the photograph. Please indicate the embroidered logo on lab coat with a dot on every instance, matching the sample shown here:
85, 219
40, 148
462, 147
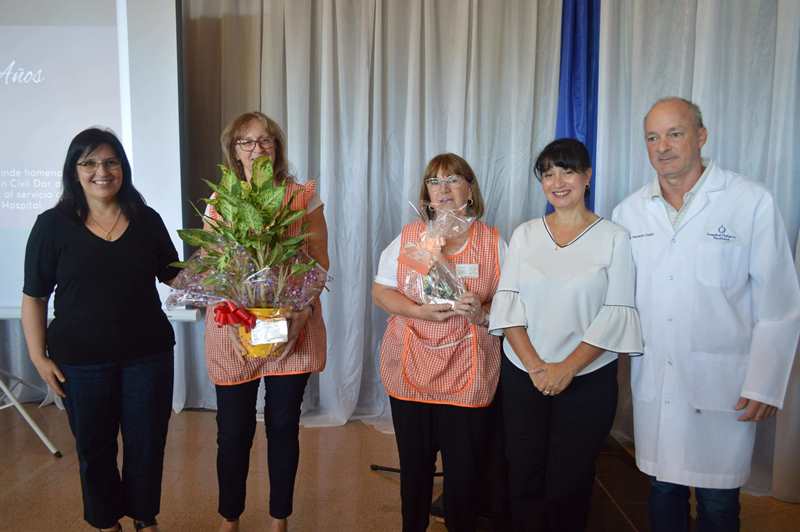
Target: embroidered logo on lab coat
722, 234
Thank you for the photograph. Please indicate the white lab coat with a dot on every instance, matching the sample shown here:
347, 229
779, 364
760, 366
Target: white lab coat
719, 304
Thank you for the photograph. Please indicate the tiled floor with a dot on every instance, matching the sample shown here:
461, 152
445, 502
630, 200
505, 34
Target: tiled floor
336, 491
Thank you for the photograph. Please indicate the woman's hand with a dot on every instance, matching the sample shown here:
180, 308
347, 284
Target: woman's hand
297, 320
394, 302
34, 324
552, 379
432, 312
50, 374
236, 341
537, 376
470, 307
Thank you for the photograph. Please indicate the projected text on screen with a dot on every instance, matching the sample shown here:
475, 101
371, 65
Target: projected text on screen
54, 81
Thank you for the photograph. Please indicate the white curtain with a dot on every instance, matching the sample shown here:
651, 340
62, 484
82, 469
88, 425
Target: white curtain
740, 61
786, 469
368, 91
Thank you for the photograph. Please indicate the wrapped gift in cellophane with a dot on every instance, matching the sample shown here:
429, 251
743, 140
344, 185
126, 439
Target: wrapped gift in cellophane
432, 278
250, 268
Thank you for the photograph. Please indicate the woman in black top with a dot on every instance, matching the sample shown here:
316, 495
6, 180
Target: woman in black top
108, 352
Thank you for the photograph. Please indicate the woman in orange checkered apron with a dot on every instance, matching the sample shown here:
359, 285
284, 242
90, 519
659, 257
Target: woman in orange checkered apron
236, 377
439, 365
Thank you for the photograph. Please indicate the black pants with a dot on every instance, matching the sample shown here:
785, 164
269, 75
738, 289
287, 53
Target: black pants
494, 474
102, 400
461, 434
236, 426
552, 444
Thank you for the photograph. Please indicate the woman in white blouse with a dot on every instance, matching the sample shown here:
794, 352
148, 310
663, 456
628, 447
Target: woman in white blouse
565, 304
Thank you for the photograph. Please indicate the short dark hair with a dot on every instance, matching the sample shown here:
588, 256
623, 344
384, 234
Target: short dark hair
569, 154
73, 199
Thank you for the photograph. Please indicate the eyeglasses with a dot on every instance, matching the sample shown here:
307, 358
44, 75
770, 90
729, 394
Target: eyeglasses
90, 165
439, 181
266, 143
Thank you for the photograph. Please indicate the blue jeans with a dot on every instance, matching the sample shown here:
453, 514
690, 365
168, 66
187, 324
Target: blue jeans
102, 399
717, 509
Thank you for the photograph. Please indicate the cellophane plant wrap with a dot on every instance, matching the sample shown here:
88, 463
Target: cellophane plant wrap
431, 277
248, 256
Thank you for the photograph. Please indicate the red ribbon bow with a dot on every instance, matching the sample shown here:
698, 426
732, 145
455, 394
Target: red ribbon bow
227, 313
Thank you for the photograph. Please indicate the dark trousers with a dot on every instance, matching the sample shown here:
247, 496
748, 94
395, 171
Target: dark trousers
461, 434
552, 444
102, 399
494, 475
236, 426
717, 509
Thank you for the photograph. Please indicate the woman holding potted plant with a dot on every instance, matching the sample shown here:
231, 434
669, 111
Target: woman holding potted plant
236, 375
439, 364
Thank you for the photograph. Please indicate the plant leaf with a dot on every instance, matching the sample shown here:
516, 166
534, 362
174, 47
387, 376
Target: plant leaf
198, 237
228, 179
301, 268
262, 171
292, 217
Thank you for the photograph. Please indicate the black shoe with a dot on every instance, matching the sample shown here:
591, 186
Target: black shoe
437, 509
138, 525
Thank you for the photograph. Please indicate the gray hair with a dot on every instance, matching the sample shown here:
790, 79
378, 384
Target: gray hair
693, 108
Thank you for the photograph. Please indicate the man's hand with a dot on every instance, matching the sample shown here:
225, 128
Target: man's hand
754, 410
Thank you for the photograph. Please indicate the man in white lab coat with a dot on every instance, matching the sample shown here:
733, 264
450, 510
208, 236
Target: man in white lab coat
719, 302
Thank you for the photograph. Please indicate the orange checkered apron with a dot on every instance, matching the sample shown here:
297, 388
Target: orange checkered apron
452, 362
225, 367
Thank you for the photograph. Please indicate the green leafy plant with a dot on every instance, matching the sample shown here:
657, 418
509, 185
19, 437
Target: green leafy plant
251, 237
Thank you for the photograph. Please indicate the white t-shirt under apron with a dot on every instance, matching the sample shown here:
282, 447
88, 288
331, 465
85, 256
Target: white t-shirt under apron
387, 266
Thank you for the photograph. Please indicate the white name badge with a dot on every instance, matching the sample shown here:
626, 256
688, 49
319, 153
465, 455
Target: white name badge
467, 271
272, 331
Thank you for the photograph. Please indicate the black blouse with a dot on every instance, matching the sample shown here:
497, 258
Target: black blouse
107, 307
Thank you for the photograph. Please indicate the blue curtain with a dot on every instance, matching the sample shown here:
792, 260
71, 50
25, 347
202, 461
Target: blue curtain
577, 95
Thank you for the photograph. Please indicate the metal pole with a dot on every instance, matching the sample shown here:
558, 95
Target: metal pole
45, 440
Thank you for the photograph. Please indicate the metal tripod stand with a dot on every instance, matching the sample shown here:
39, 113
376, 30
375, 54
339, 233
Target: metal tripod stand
7, 392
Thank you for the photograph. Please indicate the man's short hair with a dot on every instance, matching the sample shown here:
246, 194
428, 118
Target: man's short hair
693, 107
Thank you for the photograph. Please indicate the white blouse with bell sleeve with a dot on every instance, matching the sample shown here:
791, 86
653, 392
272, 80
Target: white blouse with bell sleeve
565, 295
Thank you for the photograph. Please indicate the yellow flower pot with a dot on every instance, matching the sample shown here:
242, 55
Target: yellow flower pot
262, 350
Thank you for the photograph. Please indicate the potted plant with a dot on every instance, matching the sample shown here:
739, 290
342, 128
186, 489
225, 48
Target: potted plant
250, 261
